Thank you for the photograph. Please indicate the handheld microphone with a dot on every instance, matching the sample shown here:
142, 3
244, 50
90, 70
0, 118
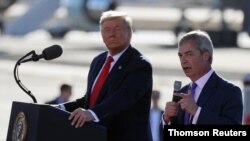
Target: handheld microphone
48, 53
177, 88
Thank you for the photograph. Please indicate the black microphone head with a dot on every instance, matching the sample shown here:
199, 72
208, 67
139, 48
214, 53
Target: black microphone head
177, 86
52, 52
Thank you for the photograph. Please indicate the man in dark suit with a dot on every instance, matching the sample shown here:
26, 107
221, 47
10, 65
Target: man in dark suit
208, 99
64, 96
121, 100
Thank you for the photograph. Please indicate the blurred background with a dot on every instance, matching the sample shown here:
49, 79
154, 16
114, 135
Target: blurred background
27, 25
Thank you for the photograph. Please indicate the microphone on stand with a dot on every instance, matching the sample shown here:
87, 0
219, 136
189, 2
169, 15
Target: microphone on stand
48, 53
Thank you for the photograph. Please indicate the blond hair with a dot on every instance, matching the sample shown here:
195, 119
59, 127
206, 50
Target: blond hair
116, 14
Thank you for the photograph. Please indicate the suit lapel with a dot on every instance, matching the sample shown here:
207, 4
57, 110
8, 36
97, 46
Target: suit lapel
208, 90
116, 71
96, 70
93, 74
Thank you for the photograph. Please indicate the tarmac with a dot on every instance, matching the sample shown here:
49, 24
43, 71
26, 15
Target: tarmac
151, 42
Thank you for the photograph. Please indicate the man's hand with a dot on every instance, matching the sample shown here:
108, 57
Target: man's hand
187, 103
171, 110
80, 116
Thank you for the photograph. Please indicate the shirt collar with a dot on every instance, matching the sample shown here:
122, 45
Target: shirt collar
203, 80
118, 55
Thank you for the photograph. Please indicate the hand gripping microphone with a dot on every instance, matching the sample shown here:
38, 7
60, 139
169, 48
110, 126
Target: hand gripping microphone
177, 88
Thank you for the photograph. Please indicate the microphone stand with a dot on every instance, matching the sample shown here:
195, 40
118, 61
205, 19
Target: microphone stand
16, 75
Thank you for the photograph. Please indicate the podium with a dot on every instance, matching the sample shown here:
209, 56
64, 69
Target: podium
34, 122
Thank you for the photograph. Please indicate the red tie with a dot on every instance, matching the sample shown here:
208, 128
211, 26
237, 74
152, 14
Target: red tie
100, 81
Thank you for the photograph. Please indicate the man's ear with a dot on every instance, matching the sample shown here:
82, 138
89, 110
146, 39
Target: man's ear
206, 56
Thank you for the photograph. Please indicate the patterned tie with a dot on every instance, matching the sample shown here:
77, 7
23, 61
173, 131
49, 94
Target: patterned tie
100, 81
187, 115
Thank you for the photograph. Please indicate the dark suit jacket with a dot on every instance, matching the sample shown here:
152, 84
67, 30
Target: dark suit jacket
221, 103
123, 104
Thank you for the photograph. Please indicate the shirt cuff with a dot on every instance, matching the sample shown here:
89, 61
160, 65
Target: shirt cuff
61, 106
163, 121
94, 115
196, 116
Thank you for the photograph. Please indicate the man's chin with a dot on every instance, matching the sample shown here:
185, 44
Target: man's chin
187, 74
